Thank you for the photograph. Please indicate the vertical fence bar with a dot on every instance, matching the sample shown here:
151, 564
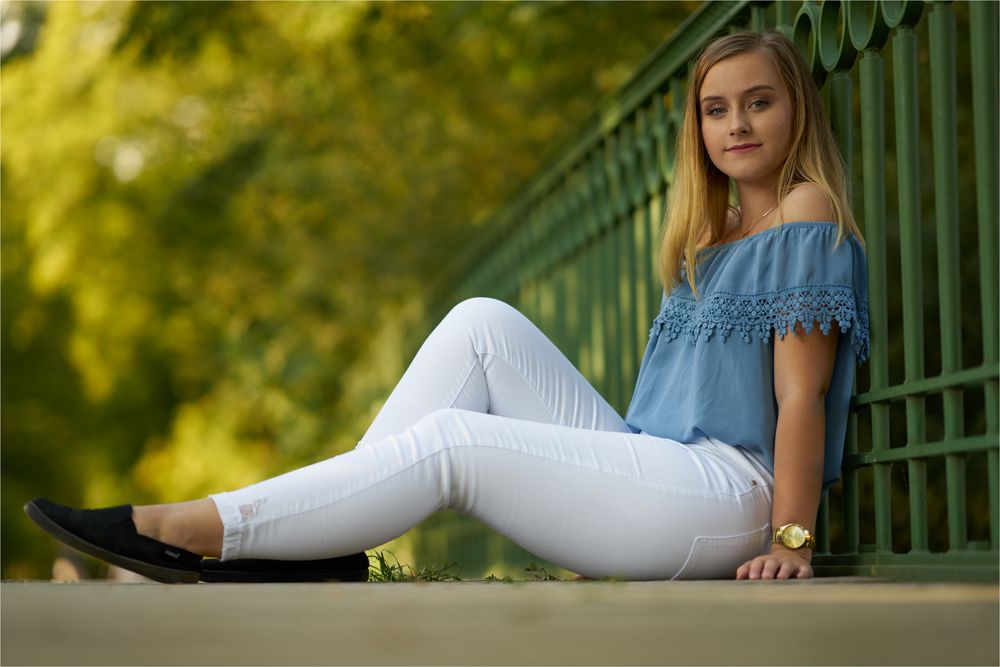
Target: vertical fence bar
529, 303
575, 222
758, 20
534, 239
518, 252
570, 328
629, 289
515, 275
607, 313
652, 230
583, 299
648, 182
614, 282
945, 140
594, 278
544, 272
984, 42
557, 292
783, 13
664, 163
586, 296
872, 85
594, 304
850, 498
559, 315
653, 286
642, 280
841, 96
635, 301
548, 267
842, 116
559, 245
626, 292
616, 200
905, 59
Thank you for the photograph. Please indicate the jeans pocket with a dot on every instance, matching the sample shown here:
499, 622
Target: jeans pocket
718, 557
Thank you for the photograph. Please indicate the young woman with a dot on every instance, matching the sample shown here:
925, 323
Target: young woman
716, 470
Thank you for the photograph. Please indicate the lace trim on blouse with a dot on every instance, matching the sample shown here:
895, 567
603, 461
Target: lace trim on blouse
766, 312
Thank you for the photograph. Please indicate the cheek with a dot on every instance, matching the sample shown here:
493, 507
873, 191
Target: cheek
711, 140
783, 128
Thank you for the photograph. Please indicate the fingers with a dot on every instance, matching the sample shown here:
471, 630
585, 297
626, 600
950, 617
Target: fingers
763, 567
787, 569
771, 567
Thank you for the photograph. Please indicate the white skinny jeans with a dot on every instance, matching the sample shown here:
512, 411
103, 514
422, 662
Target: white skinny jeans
491, 420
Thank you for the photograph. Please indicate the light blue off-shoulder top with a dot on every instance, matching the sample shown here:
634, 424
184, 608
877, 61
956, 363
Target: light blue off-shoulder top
708, 369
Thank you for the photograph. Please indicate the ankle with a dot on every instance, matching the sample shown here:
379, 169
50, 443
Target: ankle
148, 520
163, 523
174, 530
194, 525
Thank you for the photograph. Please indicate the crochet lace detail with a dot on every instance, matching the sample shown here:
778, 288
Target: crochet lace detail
763, 313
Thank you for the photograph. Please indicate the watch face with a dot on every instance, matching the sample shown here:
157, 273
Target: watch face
793, 536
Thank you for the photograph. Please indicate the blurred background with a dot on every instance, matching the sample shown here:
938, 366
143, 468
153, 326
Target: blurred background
219, 218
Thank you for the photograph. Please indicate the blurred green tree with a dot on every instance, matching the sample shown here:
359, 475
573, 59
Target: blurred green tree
218, 217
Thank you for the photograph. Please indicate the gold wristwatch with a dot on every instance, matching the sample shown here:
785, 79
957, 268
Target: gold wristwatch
793, 536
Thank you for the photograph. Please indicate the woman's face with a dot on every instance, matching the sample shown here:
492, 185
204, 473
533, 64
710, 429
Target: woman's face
743, 101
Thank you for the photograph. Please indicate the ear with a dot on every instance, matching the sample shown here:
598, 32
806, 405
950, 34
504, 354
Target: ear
807, 202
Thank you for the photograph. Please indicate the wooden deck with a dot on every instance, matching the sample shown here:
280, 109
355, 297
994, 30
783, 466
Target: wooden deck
821, 621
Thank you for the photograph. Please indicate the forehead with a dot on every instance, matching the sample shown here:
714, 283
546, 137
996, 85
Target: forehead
730, 77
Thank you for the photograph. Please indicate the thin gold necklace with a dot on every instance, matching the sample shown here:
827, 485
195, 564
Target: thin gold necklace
757, 220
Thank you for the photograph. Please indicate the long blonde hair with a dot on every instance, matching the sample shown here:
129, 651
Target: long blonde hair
699, 197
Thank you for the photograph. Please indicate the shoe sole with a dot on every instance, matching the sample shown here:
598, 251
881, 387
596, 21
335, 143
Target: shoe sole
165, 575
291, 576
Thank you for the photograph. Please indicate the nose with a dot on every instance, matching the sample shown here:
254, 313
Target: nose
738, 122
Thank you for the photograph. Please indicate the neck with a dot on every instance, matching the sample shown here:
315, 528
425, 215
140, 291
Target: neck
756, 200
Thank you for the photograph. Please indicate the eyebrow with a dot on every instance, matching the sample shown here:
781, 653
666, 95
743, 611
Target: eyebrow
745, 92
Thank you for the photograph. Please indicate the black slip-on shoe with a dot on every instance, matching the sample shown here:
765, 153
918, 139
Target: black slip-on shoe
353, 567
110, 534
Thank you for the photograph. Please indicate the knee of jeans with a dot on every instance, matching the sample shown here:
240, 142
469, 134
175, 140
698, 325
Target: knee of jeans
443, 428
481, 309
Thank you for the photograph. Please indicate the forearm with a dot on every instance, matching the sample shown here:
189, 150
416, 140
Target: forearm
798, 464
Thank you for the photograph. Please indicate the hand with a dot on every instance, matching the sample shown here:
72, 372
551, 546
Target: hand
781, 563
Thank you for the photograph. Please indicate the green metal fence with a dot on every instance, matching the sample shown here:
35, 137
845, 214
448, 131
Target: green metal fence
911, 91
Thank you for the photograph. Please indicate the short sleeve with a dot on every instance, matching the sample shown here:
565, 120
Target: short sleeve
799, 273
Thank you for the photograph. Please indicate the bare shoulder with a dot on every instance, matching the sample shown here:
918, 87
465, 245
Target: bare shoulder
807, 202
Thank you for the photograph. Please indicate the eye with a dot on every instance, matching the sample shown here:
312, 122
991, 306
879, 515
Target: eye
764, 102
711, 110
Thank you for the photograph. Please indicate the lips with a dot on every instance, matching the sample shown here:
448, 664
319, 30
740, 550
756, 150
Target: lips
743, 147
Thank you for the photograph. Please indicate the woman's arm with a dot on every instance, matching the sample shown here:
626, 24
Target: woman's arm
803, 367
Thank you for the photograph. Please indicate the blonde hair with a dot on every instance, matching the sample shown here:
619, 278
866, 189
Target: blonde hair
699, 197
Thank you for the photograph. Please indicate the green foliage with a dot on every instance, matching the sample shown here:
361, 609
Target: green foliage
539, 574
219, 220
383, 571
